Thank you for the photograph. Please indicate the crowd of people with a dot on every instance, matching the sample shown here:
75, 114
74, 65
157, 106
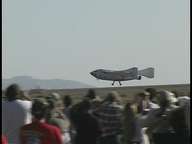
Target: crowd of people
151, 117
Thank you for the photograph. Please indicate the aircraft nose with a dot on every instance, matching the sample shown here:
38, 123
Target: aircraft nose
92, 73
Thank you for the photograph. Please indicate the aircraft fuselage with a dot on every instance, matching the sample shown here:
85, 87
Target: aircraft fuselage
123, 75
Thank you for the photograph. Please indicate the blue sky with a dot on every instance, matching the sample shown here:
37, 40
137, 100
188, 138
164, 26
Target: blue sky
68, 39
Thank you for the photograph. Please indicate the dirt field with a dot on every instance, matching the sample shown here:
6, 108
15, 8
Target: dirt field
125, 92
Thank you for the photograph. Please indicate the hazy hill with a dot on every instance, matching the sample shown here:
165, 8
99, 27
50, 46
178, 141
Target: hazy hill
27, 82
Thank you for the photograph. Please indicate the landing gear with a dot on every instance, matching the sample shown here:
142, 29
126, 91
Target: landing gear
139, 78
114, 83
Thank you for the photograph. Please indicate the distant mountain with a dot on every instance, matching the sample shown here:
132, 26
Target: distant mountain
27, 82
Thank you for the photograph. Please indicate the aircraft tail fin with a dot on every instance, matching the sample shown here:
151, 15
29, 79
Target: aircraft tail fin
148, 72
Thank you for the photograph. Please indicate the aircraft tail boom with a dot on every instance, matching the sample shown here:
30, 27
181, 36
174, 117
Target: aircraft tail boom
148, 72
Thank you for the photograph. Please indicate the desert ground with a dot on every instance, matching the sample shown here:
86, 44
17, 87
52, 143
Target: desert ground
127, 93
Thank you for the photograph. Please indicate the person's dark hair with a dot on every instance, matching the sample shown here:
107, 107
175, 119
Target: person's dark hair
128, 111
176, 93
51, 104
91, 94
164, 98
39, 108
152, 92
67, 101
143, 94
129, 121
113, 96
12, 92
138, 100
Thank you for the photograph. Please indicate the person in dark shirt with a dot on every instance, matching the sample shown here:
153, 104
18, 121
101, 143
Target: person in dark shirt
159, 129
132, 131
67, 102
109, 115
87, 128
77, 111
179, 121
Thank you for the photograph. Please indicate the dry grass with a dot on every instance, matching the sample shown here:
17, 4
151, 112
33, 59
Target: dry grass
127, 93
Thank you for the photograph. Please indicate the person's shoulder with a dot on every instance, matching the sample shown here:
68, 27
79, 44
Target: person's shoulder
4, 139
55, 120
4, 102
174, 107
120, 107
52, 128
27, 126
43, 126
154, 105
115, 106
75, 106
176, 110
153, 112
25, 103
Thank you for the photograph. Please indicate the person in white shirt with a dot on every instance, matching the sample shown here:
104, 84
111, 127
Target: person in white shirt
157, 120
184, 101
152, 98
15, 113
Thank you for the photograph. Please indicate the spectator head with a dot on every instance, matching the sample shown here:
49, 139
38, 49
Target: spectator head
58, 101
176, 93
95, 103
113, 96
165, 98
13, 92
39, 108
144, 95
90, 94
141, 96
184, 101
152, 93
51, 104
55, 96
67, 101
173, 98
129, 110
48, 97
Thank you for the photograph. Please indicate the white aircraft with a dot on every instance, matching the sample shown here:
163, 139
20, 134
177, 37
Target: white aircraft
123, 75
